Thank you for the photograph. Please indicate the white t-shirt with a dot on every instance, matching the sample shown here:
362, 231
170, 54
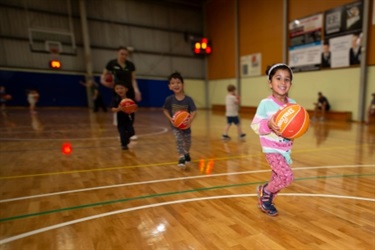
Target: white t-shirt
32, 98
231, 106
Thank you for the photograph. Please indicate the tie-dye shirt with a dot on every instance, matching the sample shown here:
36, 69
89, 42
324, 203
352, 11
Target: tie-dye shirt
271, 142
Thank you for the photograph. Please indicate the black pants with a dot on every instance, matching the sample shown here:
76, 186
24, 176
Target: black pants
125, 129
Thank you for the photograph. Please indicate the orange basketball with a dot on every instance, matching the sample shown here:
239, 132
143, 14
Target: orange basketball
109, 77
7, 97
293, 120
180, 118
128, 105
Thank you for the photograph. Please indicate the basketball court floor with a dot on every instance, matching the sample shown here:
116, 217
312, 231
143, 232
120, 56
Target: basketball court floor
93, 195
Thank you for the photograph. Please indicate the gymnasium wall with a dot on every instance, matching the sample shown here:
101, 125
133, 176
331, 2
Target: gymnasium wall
158, 31
220, 28
260, 31
64, 90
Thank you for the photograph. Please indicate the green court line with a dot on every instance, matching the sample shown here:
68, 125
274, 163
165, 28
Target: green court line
168, 194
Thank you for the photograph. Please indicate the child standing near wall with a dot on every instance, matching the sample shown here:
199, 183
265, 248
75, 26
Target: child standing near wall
32, 98
96, 95
176, 102
231, 112
276, 148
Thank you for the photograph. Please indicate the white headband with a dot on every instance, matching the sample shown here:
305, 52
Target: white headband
278, 65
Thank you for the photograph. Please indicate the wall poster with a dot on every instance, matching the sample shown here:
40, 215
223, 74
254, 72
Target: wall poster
305, 43
251, 65
343, 36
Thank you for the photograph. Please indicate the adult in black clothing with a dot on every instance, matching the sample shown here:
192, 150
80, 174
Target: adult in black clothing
321, 106
371, 109
123, 70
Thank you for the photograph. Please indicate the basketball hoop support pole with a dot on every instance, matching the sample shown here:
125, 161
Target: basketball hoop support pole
87, 50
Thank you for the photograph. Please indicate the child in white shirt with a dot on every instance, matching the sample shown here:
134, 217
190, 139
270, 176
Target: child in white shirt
231, 112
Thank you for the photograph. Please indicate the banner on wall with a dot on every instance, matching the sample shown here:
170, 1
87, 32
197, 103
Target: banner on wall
346, 50
343, 20
305, 57
340, 47
251, 65
305, 28
305, 43
343, 36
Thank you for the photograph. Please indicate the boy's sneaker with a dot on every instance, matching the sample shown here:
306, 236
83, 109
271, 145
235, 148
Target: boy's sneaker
187, 158
134, 138
225, 137
265, 201
181, 162
125, 147
242, 136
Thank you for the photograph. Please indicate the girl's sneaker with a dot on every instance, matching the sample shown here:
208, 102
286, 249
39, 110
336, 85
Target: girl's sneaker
265, 201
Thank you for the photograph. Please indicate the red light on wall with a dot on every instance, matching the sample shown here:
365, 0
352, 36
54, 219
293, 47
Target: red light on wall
208, 50
55, 64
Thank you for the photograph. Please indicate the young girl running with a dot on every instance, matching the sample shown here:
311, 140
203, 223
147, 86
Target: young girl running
276, 148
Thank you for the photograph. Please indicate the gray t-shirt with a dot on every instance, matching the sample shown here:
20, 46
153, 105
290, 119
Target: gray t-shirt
173, 105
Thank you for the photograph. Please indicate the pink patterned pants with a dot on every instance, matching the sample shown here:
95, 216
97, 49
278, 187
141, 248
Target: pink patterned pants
282, 175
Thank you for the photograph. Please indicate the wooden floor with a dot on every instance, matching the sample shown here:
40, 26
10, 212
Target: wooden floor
100, 197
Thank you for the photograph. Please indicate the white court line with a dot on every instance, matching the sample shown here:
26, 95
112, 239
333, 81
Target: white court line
45, 229
172, 179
